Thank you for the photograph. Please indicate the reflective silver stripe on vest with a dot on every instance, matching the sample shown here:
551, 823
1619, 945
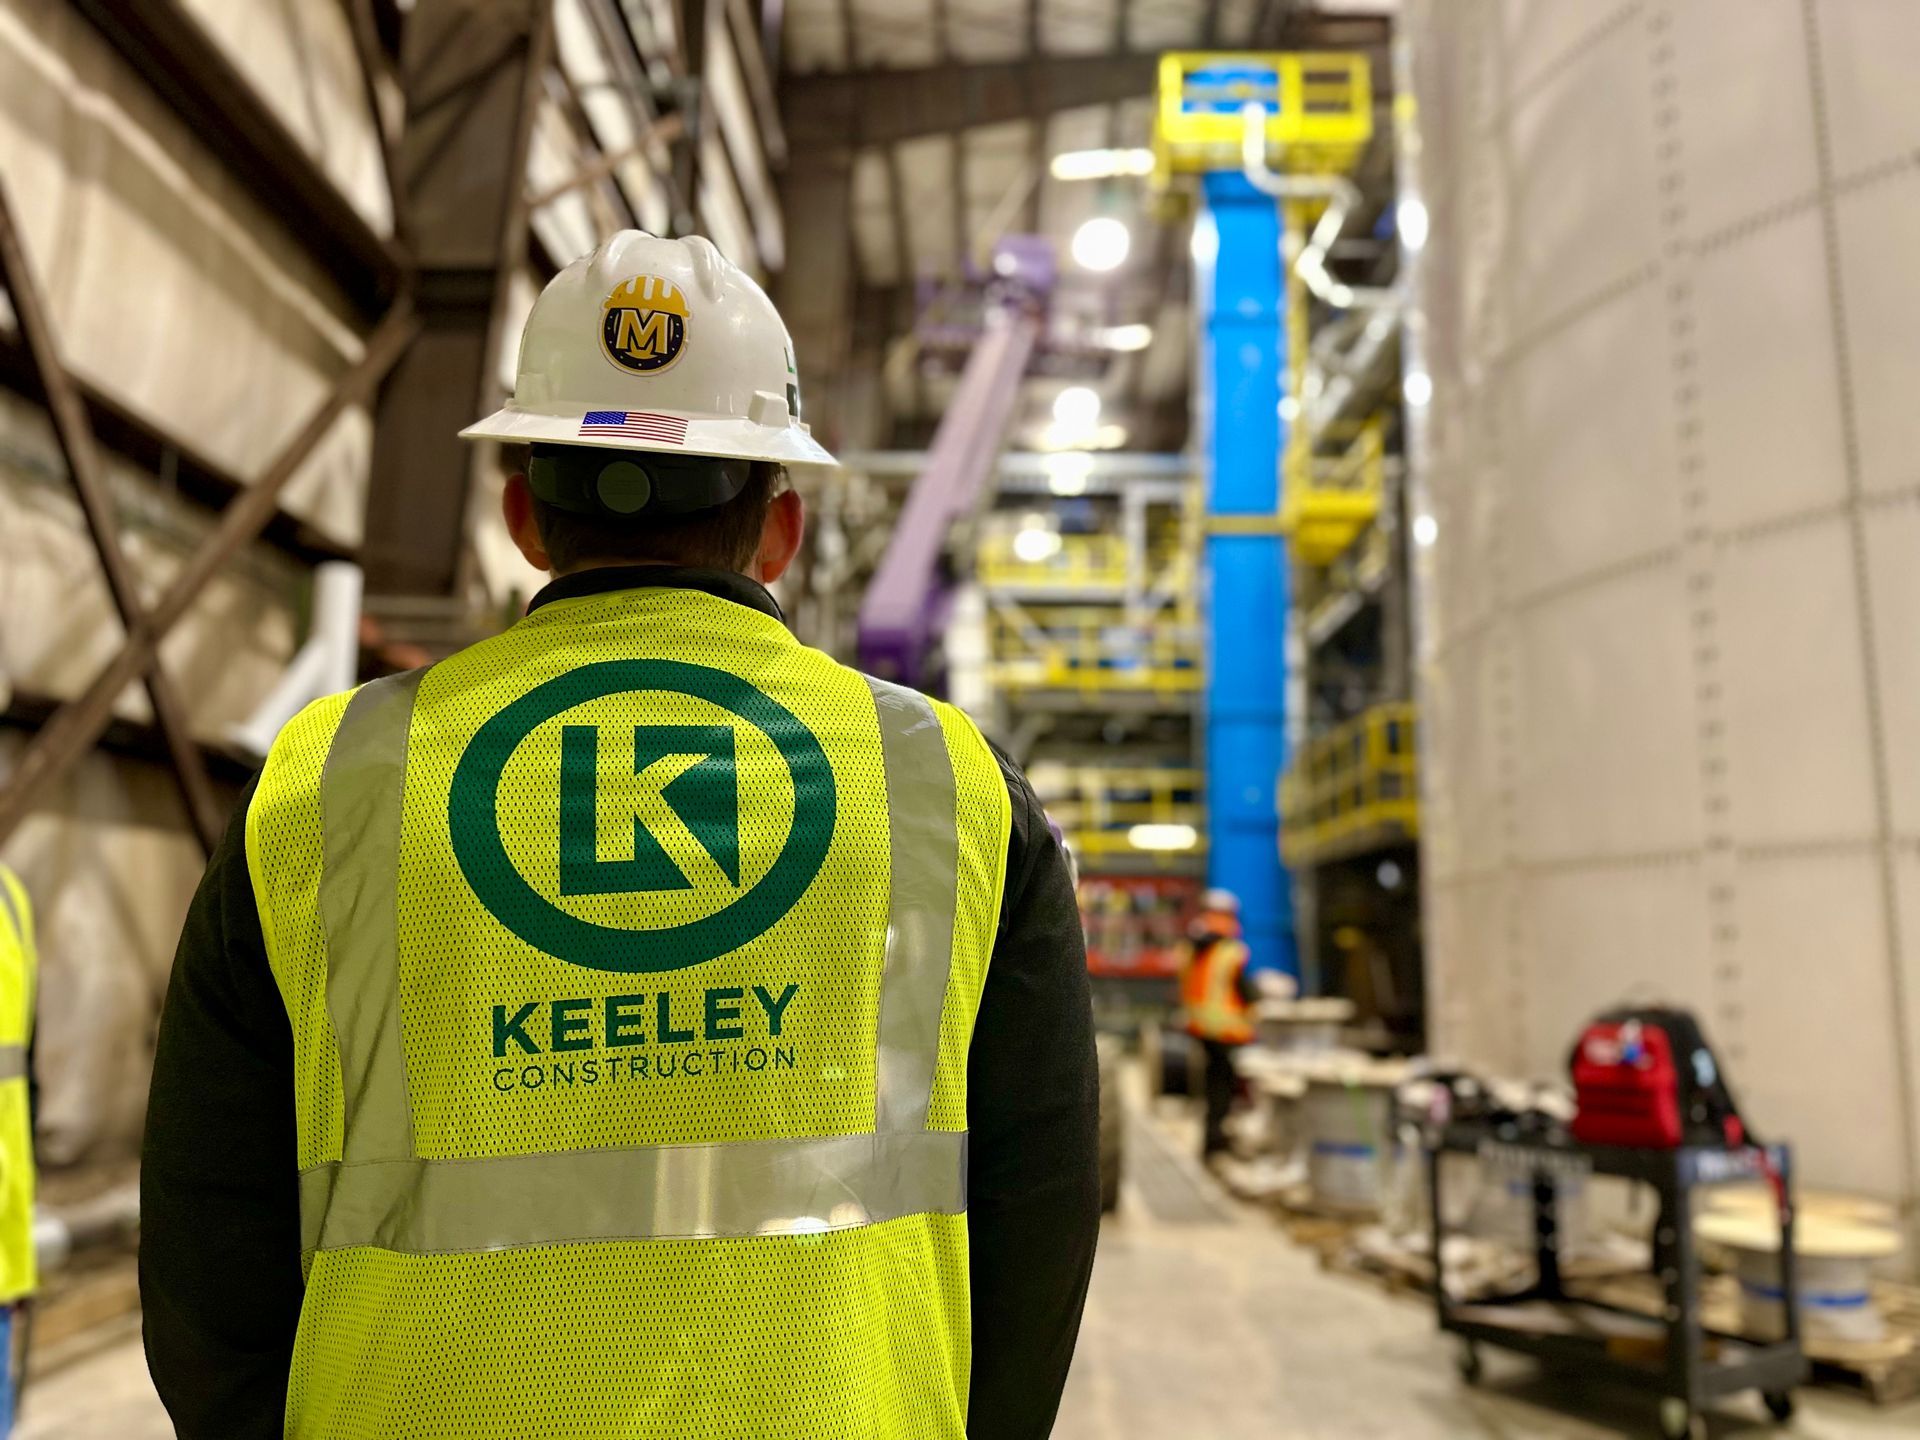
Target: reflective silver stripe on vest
11, 910
775, 1187
13, 1062
362, 795
925, 847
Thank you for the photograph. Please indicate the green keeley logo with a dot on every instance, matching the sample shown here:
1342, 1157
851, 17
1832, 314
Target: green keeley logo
704, 798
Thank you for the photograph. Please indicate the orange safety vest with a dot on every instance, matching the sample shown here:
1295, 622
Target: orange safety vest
1210, 992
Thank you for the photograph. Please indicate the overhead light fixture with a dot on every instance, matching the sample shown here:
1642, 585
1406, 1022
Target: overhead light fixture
1101, 243
1101, 164
1426, 530
1054, 438
1124, 337
1163, 837
1036, 542
1411, 218
1068, 472
1418, 387
1205, 244
1076, 408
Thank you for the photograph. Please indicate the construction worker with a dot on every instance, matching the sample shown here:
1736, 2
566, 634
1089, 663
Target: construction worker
19, 967
636, 1024
1216, 992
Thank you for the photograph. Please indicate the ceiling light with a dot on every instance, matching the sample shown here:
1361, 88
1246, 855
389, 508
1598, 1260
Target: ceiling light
1163, 837
1076, 408
1426, 530
1124, 337
1205, 244
1068, 472
1418, 387
1036, 543
1101, 164
1101, 243
1411, 217
1080, 437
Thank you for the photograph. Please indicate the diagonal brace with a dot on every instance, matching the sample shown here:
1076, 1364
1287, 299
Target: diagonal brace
75, 436
73, 729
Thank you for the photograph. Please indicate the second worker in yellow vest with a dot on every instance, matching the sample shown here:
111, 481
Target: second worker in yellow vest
19, 979
679, 1034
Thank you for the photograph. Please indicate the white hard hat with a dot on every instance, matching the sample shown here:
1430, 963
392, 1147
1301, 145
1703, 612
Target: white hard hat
663, 345
1225, 901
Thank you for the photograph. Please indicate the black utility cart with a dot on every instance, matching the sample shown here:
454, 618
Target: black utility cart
1683, 1373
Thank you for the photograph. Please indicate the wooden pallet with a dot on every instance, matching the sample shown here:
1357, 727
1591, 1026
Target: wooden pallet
1886, 1371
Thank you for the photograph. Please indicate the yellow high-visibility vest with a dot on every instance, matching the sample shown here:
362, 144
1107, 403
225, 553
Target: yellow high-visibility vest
632, 959
18, 966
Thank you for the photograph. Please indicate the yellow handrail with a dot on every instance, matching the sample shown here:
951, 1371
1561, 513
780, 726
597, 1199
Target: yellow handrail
1360, 778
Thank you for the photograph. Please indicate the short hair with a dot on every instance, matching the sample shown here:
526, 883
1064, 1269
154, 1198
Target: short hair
725, 537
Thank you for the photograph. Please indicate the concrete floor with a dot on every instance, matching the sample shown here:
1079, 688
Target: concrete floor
1204, 1323
1213, 1326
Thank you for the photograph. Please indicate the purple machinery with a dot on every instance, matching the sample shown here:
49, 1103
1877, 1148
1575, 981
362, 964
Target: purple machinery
902, 614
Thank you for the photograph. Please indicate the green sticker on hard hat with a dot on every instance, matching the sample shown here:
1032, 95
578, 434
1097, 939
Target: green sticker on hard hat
643, 324
682, 796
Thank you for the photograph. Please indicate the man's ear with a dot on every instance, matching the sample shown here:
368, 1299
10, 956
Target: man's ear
516, 504
780, 536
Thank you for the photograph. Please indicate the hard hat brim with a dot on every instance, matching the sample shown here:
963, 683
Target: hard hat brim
725, 436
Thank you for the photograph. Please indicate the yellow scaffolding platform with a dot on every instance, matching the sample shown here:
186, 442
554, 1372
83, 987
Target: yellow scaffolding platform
1319, 109
1354, 789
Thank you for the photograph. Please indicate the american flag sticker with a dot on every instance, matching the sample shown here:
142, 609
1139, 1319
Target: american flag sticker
633, 425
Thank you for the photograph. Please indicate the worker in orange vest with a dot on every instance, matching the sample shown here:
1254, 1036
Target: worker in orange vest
1215, 991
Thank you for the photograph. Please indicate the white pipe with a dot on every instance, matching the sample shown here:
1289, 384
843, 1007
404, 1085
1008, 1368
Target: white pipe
106, 1219
1341, 195
325, 665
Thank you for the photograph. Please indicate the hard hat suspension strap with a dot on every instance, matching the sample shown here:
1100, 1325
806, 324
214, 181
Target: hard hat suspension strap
632, 484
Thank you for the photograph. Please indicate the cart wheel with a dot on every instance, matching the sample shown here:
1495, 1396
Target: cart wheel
1678, 1422
1467, 1362
1779, 1404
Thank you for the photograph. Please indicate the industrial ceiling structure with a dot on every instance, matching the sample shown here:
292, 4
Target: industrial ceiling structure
922, 131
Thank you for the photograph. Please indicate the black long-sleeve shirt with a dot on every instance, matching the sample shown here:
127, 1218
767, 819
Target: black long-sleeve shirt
220, 1250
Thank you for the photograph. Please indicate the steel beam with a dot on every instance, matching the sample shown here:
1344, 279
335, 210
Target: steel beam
472, 70
69, 416
186, 67
893, 105
815, 291
72, 731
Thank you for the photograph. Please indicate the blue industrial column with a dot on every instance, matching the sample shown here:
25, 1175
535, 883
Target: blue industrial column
1240, 285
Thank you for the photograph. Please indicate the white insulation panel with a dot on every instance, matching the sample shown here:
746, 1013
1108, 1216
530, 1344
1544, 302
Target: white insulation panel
1668, 623
172, 290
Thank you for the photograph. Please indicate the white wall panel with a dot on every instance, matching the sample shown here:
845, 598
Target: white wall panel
1815, 1010
1798, 764
1893, 592
1724, 120
1605, 717
1668, 629
1589, 451
1879, 230
1588, 198
1593, 937
1772, 422
1466, 722
1867, 53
